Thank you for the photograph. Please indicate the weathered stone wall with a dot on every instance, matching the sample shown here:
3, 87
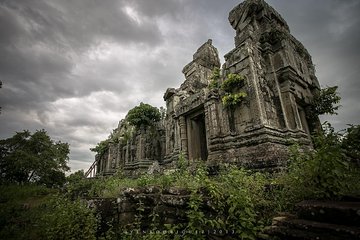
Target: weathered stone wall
170, 206
185, 104
280, 83
134, 150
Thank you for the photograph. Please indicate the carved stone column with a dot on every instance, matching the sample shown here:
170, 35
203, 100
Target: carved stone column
183, 136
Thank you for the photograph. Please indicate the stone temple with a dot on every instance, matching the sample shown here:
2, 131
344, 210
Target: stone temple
279, 82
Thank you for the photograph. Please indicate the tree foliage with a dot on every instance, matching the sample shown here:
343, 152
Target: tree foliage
143, 115
351, 143
328, 172
66, 219
101, 147
27, 157
325, 102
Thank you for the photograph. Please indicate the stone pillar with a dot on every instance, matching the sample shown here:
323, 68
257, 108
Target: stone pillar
183, 137
213, 127
291, 111
257, 110
278, 90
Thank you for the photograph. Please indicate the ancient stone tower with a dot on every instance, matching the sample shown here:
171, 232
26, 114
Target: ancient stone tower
279, 82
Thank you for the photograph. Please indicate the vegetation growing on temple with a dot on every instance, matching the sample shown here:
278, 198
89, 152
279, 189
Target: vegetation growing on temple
232, 87
143, 115
325, 102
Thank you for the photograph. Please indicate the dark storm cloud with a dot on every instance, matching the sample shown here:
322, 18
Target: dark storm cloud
76, 67
42, 40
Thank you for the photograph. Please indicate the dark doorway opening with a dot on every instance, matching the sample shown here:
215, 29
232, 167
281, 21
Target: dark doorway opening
197, 136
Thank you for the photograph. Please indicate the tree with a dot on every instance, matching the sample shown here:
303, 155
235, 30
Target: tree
27, 157
143, 115
325, 102
101, 147
351, 143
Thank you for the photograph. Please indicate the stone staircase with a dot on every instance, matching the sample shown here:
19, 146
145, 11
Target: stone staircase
320, 220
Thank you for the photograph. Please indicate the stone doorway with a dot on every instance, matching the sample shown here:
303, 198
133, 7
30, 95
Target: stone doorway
197, 140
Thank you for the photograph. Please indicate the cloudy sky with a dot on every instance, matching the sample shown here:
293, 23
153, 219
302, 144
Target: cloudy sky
75, 67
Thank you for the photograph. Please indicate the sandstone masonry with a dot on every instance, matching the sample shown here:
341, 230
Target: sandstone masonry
280, 83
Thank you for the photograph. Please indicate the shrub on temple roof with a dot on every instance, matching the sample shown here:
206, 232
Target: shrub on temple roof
143, 115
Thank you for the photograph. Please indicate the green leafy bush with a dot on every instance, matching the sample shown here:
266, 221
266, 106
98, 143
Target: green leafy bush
350, 144
21, 206
101, 147
144, 114
68, 219
233, 83
231, 86
325, 173
215, 78
231, 100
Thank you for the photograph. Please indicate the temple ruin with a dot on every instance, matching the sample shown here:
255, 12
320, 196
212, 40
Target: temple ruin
279, 82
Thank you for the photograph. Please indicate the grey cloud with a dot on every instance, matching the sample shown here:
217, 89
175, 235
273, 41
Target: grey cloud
40, 37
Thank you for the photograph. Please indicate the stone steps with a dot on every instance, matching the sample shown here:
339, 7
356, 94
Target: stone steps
320, 220
344, 213
293, 228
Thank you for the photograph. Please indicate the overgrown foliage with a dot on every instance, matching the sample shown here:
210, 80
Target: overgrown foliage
36, 212
233, 83
232, 87
231, 100
215, 78
101, 147
27, 157
328, 172
143, 115
67, 219
350, 144
236, 198
235, 202
325, 102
